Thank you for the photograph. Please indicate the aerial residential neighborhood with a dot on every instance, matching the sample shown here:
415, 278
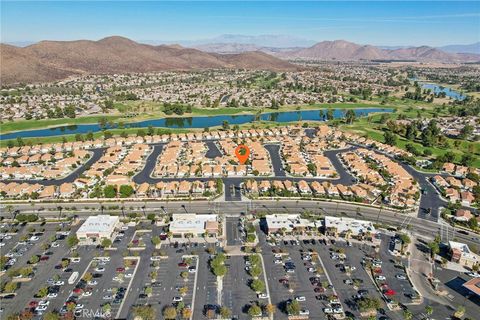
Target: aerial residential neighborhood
226, 160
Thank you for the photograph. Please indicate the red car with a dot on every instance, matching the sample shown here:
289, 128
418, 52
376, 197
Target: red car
44, 258
120, 269
77, 291
319, 289
183, 264
284, 281
33, 304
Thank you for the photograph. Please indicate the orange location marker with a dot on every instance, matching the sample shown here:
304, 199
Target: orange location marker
242, 152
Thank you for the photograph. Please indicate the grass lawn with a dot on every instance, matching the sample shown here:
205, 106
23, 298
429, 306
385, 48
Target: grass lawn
152, 110
71, 137
373, 130
45, 123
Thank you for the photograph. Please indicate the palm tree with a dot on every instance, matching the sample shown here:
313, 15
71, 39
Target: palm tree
428, 311
9, 209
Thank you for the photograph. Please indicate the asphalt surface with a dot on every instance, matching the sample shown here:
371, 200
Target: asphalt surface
430, 199
97, 154
276, 160
425, 227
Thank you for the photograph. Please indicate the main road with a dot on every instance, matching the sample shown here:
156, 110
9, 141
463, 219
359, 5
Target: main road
385, 216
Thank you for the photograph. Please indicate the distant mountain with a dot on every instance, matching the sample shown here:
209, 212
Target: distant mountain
462, 48
268, 40
53, 60
275, 41
229, 48
342, 50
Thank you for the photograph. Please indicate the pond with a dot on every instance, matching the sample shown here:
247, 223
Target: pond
195, 122
448, 91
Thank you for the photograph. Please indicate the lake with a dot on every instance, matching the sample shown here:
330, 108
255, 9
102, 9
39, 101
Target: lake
448, 91
193, 122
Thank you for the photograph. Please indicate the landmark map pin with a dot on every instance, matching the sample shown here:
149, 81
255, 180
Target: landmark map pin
242, 152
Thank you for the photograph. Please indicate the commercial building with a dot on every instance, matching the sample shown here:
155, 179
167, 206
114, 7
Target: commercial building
288, 223
348, 227
461, 254
194, 225
473, 285
97, 228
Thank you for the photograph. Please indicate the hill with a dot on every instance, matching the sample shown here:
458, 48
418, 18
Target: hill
53, 60
348, 51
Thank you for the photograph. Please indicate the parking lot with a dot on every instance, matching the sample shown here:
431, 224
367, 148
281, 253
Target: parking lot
237, 295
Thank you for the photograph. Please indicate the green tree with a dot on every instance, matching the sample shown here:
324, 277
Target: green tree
156, 240
169, 313
350, 116
254, 310
146, 312
126, 191
225, 312
434, 248
10, 287
110, 191
106, 243
428, 310
390, 138
72, 241
42, 292
255, 271
52, 315
34, 259
407, 314
293, 308
257, 285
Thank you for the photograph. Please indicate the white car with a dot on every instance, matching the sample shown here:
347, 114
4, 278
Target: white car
87, 293
2, 244
34, 238
300, 298
100, 269
473, 274
79, 306
128, 275
41, 308
278, 261
338, 310
52, 295
304, 312
118, 279
55, 244
107, 297
92, 282
177, 299
401, 277
327, 310
76, 259
44, 303
155, 258
380, 278
59, 283
262, 296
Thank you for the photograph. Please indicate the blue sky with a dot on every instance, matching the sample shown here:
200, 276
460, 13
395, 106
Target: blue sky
379, 23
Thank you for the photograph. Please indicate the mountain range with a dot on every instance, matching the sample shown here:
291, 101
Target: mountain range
53, 60
341, 50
